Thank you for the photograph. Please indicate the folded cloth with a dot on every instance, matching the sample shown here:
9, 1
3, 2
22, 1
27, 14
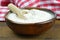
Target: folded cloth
3, 11
53, 5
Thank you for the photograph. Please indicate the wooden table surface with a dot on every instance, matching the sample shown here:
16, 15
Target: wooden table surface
7, 34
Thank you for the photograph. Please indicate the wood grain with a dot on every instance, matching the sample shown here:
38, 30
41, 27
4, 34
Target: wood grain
7, 34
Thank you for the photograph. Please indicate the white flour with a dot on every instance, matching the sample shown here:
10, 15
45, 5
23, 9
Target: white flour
33, 16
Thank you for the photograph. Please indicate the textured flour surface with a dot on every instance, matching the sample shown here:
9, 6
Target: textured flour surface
33, 16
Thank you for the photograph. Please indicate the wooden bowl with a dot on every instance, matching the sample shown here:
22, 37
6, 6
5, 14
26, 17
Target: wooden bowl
32, 28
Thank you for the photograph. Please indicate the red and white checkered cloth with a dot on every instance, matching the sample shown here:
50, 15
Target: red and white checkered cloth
53, 5
3, 11
4, 2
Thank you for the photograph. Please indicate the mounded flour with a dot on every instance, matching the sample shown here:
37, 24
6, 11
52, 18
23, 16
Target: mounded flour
32, 16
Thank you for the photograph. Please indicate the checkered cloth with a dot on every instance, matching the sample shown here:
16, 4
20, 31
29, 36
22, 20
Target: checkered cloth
53, 5
4, 2
3, 11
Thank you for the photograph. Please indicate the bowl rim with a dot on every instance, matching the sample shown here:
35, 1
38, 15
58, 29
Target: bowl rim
44, 9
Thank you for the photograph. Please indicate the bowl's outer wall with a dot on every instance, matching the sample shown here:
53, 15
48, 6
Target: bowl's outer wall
29, 29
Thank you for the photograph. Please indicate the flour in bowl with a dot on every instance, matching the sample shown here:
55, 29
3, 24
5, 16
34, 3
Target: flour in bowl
32, 16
